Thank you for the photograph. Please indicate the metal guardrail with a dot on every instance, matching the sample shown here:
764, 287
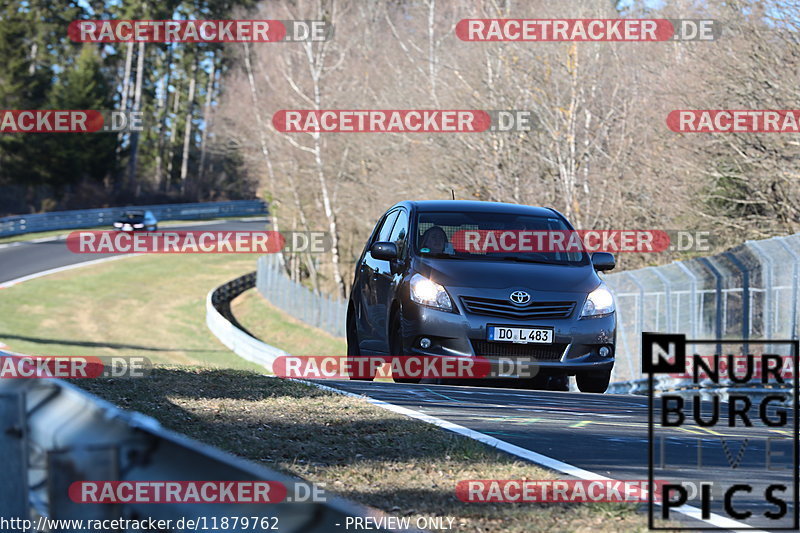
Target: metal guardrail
53, 434
225, 327
689, 390
87, 218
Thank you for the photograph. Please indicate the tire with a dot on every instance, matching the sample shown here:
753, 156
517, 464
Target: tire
596, 382
395, 335
352, 344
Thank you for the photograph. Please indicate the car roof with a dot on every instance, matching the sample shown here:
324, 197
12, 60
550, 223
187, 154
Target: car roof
470, 206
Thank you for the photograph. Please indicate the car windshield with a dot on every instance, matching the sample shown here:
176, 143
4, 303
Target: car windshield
132, 216
498, 237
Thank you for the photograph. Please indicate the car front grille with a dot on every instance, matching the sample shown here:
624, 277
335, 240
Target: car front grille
539, 352
504, 308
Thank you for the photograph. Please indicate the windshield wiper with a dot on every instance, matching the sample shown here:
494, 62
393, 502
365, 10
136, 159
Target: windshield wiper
529, 260
438, 255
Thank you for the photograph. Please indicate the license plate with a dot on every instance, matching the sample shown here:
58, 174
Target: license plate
520, 335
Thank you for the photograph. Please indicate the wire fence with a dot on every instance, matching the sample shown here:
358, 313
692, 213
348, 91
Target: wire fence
318, 310
749, 292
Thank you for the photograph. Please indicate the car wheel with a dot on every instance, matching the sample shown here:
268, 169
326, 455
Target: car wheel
352, 344
396, 343
593, 381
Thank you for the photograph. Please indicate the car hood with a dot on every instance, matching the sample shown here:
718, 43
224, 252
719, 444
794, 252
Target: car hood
508, 274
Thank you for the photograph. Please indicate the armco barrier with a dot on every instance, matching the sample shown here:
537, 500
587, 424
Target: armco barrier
224, 326
88, 218
53, 434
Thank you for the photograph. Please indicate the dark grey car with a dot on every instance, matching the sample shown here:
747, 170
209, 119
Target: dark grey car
415, 293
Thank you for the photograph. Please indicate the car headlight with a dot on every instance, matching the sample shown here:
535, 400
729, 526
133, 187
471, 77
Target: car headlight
430, 293
138, 225
599, 302
117, 224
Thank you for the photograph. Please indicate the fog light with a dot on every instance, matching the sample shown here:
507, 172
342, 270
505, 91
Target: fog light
604, 351
424, 343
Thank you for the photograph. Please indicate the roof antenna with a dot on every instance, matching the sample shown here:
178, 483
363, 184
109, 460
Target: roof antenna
453, 193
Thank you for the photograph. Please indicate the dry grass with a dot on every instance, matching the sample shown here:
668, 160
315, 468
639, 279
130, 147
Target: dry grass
275, 327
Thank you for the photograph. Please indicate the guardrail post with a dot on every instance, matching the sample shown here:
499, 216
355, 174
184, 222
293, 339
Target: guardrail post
639, 312
745, 296
13, 442
795, 282
718, 302
67, 466
769, 322
667, 295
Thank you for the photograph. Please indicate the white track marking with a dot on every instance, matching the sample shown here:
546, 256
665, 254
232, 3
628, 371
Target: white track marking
43, 273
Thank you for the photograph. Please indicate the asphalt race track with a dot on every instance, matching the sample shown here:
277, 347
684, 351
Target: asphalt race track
26, 258
604, 434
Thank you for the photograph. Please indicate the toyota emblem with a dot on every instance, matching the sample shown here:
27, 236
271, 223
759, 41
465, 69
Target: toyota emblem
520, 297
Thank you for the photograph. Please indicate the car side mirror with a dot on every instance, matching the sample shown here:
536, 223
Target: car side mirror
602, 261
385, 251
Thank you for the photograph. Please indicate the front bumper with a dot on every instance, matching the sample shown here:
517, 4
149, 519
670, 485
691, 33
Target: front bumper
575, 348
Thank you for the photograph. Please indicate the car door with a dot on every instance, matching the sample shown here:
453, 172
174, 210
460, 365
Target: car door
368, 316
384, 279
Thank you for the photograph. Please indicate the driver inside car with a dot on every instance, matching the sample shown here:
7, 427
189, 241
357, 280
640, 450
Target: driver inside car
434, 241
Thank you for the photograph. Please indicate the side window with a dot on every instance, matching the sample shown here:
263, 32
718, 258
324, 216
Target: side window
386, 229
399, 232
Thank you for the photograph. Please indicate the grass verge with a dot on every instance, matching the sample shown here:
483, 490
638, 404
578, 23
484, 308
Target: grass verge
151, 306
275, 327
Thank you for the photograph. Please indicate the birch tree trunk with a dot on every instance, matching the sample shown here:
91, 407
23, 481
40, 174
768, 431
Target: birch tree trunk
126, 79
173, 133
187, 132
137, 98
207, 117
161, 119
261, 131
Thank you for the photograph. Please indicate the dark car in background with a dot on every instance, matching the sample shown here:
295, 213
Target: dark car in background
136, 220
414, 293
